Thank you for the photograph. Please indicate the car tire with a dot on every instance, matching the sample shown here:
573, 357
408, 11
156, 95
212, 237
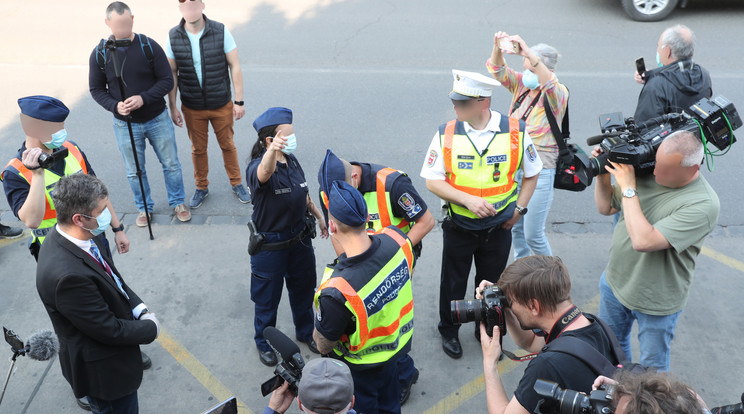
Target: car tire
649, 10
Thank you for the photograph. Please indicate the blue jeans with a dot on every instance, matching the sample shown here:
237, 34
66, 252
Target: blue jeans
124, 405
655, 333
159, 131
528, 235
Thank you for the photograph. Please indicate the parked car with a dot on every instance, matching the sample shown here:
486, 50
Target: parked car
651, 10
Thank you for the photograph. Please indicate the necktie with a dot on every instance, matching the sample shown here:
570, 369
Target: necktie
97, 255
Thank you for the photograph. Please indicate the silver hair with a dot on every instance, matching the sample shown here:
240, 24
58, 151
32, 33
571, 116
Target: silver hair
681, 41
77, 194
118, 7
687, 144
548, 54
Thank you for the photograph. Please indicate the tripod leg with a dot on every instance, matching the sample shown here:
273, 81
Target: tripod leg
7, 379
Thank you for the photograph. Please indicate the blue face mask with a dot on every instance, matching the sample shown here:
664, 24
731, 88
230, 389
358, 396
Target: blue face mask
658, 59
529, 79
291, 144
104, 220
58, 138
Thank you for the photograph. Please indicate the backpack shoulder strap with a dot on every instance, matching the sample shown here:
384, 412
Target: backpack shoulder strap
560, 136
147, 50
584, 352
101, 55
617, 350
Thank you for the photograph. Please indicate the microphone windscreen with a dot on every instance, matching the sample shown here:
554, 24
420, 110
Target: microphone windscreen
281, 343
595, 139
42, 345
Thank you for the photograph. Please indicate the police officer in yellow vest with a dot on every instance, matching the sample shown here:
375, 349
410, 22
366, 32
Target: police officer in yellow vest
391, 200
28, 187
364, 307
471, 164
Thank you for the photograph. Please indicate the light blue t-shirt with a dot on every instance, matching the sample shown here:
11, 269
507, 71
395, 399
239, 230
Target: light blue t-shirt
229, 46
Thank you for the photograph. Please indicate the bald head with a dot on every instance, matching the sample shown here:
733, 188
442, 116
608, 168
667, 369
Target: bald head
685, 143
680, 40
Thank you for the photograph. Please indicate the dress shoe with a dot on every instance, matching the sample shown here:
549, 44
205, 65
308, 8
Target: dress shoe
146, 362
406, 391
452, 347
268, 358
83, 403
311, 344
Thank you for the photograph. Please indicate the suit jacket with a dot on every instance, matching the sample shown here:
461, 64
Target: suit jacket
99, 338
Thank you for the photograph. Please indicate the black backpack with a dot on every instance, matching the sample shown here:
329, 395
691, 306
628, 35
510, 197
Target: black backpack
586, 353
144, 45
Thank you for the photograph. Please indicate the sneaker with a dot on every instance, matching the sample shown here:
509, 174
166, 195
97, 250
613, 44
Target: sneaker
199, 197
182, 212
8, 232
243, 195
142, 219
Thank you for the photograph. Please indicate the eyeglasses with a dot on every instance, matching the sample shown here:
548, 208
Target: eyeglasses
464, 104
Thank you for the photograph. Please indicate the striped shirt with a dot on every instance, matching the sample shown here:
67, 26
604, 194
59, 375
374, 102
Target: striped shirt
537, 123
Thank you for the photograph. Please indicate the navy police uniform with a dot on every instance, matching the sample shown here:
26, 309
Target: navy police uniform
279, 213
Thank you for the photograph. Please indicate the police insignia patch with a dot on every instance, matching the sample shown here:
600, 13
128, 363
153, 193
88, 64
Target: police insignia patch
531, 153
431, 158
406, 202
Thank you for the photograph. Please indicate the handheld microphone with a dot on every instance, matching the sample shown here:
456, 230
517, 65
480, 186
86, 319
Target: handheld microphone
281, 343
42, 345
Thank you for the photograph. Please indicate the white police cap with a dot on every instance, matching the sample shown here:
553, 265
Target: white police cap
470, 85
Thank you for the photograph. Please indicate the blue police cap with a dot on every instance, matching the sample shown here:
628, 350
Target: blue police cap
331, 169
346, 204
44, 108
273, 116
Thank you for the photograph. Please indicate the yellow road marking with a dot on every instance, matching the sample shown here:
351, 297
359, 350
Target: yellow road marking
198, 370
8, 242
453, 401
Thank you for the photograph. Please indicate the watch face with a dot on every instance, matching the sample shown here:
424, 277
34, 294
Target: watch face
629, 192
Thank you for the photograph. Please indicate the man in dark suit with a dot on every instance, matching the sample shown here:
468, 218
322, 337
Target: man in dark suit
99, 320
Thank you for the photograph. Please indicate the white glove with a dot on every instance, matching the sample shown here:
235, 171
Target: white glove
151, 317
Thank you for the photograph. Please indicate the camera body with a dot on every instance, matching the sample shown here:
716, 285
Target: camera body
624, 142
490, 310
560, 401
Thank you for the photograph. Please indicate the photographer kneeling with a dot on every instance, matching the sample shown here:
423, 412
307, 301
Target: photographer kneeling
326, 386
538, 292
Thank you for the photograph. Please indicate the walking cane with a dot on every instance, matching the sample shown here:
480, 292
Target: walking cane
111, 45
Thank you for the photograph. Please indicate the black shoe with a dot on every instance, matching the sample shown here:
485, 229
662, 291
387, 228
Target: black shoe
8, 232
310, 344
406, 391
452, 347
146, 362
83, 403
268, 358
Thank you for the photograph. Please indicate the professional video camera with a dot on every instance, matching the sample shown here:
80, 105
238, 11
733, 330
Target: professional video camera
489, 309
624, 142
290, 364
560, 401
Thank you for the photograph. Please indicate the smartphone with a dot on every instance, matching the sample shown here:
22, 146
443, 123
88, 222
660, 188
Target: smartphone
509, 46
641, 67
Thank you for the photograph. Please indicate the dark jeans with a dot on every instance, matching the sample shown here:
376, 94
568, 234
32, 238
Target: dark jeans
124, 405
489, 248
374, 392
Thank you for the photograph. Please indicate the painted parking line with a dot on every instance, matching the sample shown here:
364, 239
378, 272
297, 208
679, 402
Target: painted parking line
452, 402
198, 370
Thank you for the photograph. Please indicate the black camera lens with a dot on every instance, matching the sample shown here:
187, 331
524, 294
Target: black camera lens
464, 311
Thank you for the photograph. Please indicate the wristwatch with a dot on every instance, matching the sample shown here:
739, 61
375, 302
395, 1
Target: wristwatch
117, 229
521, 210
239, 103
630, 192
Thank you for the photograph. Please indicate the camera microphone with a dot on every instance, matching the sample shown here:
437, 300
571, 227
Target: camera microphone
595, 139
42, 345
281, 343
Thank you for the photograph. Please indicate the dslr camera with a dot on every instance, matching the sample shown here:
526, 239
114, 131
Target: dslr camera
560, 401
622, 141
490, 310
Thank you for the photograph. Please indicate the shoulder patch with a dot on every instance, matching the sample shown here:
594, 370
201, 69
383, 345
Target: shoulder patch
531, 153
406, 202
431, 158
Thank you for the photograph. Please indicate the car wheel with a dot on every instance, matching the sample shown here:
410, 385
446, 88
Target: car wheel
649, 10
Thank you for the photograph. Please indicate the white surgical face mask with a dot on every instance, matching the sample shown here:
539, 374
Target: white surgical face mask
291, 144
